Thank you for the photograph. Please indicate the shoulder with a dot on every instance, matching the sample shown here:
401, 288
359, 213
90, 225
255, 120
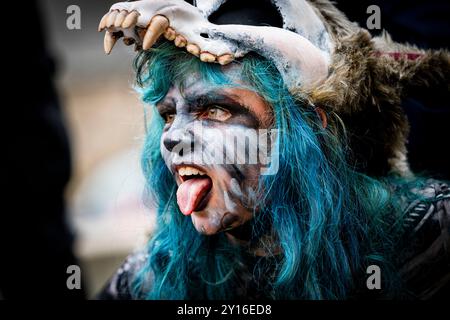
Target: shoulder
119, 286
425, 258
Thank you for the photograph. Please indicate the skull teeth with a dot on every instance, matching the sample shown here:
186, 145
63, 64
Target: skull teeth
170, 34
156, 28
225, 59
102, 24
180, 41
112, 18
193, 49
120, 18
130, 20
117, 20
207, 57
109, 41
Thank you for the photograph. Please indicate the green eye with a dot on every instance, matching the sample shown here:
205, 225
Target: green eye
217, 113
169, 117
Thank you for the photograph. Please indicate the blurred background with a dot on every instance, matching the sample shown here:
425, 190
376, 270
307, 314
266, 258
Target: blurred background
73, 171
104, 117
84, 127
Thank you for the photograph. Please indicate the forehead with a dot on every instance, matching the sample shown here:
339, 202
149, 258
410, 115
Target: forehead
193, 84
228, 76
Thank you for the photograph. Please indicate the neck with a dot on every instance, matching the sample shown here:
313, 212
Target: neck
263, 244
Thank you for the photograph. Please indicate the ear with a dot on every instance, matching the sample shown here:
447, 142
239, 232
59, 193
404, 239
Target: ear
322, 115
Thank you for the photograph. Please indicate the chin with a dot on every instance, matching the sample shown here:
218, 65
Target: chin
210, 222
206, 196
205, 224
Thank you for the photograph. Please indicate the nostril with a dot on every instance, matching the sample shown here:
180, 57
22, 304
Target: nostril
179, 141
204, 35
170, 144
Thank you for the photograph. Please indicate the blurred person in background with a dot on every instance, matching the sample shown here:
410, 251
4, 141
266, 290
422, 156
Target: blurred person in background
35, 240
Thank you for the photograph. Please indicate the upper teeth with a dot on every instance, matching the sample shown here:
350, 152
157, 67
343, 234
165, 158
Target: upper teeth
189, 171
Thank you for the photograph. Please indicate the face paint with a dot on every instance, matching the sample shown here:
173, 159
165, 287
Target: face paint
210, 144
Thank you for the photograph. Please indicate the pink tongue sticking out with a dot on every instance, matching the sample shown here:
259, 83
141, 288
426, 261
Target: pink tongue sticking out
191, 192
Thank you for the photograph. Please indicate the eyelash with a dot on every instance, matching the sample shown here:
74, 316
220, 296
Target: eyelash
166, 115
207, 109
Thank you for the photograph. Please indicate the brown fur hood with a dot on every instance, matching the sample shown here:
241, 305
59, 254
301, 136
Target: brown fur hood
367, 81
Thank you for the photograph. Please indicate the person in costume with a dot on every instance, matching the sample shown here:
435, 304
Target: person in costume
275, 155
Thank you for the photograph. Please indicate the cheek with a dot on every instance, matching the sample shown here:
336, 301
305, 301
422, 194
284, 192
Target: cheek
232, 151
165, 154
237, 179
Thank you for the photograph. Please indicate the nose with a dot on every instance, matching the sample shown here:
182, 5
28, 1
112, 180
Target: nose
180, 141
171, 143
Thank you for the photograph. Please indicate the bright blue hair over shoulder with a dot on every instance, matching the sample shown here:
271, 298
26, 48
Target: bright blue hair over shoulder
329, 220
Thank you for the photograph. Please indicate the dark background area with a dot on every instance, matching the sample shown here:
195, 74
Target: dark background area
425, 24
76, 122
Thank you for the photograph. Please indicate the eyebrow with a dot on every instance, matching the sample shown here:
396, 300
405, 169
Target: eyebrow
203, 98
168, 104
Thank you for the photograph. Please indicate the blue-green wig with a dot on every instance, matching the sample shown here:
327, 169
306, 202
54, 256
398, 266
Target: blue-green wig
328, 220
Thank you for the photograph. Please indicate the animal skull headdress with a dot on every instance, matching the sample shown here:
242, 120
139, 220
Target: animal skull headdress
301, 48
319, 53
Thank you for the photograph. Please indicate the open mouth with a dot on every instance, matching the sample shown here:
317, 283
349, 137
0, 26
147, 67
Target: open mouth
193, 190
